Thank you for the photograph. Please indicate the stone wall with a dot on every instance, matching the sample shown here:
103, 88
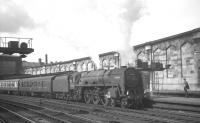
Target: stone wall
182, 52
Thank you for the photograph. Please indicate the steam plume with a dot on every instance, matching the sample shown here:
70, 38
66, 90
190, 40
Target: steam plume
81, 29
121, 15
130, 14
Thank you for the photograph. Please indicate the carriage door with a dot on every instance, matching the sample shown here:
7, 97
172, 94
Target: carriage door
199, 74
71, 83
197, 60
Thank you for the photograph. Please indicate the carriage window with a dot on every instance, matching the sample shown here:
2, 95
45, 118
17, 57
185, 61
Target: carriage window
35, 84
42, 84
13, 84
28, 84
199, 73
71, 80
25, 84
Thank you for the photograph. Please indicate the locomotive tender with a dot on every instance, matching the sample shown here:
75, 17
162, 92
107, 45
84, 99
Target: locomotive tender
120, 86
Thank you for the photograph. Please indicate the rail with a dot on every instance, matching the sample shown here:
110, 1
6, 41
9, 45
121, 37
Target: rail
118, 114
18, 115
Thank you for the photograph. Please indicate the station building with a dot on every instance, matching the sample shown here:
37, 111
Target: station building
182, 52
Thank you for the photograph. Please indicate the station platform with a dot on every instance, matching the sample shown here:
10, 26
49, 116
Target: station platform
177, 100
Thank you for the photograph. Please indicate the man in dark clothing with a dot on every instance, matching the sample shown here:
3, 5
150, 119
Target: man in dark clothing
186, 87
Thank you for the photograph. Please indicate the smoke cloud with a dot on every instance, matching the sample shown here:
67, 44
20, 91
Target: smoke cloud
131, 13
81, 28
13, 17
75, 28
111, 28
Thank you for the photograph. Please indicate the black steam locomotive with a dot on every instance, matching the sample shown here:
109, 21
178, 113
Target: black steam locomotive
120, 86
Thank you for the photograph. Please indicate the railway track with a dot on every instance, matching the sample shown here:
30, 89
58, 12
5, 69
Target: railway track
88, 110
168, 113
114, 114
124, 115
36, 114
9, 116
180, 107
80, 112
161, 115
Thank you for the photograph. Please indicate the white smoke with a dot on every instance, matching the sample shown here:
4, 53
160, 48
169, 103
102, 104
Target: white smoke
119, 15
131, 13
81, 28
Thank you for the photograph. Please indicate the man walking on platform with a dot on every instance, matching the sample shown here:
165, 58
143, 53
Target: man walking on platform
186, 87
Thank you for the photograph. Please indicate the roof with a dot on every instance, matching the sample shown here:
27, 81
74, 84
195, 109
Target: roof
76, 60
108, 53
37, 65
167, 38
30, 64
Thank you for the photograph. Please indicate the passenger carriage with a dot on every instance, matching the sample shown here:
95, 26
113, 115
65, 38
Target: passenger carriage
9, 86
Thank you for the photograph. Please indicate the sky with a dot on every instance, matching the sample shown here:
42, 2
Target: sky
71, 29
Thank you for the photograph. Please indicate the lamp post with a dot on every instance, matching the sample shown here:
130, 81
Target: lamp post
149, 56
74, 64
116, 55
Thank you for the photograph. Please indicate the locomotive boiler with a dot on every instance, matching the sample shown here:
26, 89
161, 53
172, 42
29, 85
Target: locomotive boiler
121, 86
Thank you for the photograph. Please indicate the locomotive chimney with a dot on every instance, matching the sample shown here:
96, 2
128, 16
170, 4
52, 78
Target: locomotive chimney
46, 59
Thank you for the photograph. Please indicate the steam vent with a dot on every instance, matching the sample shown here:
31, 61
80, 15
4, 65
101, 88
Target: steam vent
10, 63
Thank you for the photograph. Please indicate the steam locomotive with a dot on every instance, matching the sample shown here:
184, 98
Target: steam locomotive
120, 86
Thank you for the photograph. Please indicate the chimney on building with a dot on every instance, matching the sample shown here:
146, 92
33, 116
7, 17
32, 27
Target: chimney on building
40, 61
46, 59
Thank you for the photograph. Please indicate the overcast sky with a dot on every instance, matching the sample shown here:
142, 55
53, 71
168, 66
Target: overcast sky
69, 29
